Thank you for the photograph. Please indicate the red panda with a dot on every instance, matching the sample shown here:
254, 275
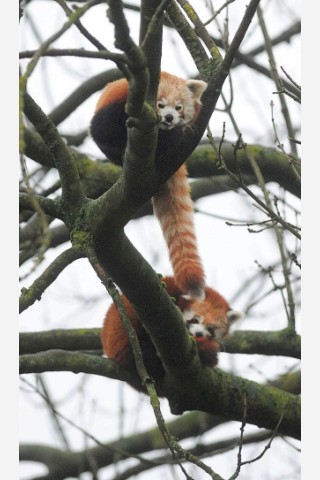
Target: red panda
178, 105
208, 321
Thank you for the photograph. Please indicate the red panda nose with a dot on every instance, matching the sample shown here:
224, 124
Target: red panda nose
168, 118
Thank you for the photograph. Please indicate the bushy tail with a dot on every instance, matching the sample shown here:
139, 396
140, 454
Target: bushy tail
174, 209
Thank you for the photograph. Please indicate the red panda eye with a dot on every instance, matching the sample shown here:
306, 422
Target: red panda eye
211, 329
195, 319
160, 105
178, 108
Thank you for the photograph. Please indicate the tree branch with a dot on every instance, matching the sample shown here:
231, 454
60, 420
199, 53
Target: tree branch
62, 361
274, 166
49, 206
82, 93
72, 194
282, 342
57, 460
33, 293
194, 387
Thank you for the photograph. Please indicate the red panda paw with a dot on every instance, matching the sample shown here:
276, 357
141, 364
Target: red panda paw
207, 349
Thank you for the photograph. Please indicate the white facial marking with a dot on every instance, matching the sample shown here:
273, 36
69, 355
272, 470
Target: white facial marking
170, 114
195, 324
188, 315
169, 118
197, 329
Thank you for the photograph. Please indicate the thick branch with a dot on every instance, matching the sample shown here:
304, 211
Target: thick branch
223, 397
274, 166
76, 362
82, 93
168, 333
72, 194
98, 177
282, 343
205, 66
102, 455
215, 74
60, 468
82, 339
49, 206
36, 149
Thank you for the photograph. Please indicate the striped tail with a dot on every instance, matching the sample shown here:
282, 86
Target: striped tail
174, 209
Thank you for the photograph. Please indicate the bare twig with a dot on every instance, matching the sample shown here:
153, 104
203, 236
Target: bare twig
217, 12
243, 424
33, 293
239, 183
277, 80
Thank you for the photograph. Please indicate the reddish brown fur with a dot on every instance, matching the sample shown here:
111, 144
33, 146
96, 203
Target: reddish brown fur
116, 91
174, 210
116, 344
172, 205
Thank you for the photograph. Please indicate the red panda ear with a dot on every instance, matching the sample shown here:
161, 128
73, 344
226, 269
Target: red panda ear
234, 315
197, 87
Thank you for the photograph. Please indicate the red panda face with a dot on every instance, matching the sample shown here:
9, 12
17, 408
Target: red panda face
208, 320
178, 101
171, 115
210, 317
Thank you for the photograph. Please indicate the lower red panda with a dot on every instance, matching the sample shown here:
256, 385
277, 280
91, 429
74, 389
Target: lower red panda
208, 321
178, 105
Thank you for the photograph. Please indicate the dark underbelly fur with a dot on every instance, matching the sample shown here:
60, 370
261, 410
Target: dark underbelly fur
108, 129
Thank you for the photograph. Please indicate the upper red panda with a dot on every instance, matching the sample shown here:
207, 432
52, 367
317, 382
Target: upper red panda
208, 321
178, 105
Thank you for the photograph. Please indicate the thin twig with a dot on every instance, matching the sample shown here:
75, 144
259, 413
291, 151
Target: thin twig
243, 424
76, 52
107, 447
277, 80
239, 183
291, 158
39, 286
274, 433
217, 12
